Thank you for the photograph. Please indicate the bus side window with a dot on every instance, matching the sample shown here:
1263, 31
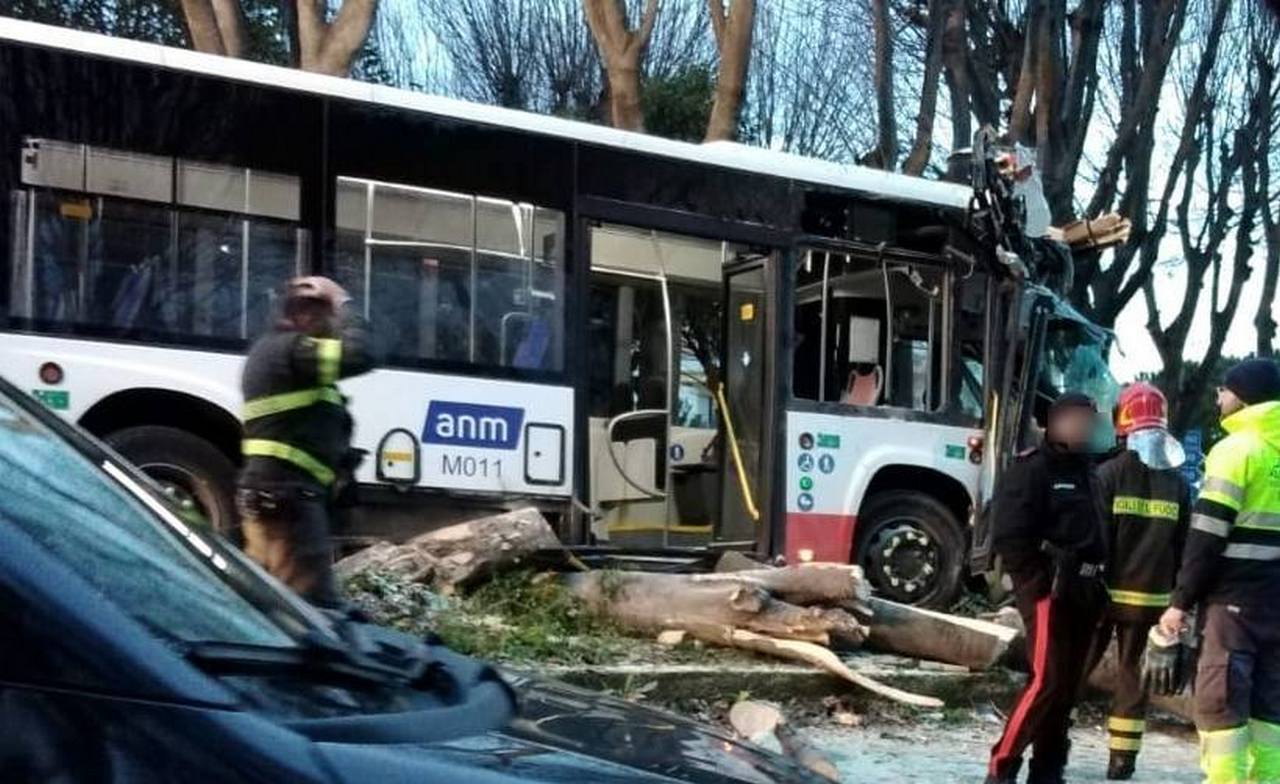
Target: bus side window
142, 246
453, 276
868, 332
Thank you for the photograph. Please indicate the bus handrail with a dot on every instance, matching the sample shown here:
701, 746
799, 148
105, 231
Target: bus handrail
643, 413
743, 483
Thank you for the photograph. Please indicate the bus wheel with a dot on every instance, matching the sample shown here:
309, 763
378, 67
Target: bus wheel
912, 548
193, 471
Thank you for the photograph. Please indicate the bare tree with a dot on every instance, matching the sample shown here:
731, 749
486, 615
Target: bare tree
324, 45
1219, 201
808, 89
732, 27
492, 46
1264, 53
621, 50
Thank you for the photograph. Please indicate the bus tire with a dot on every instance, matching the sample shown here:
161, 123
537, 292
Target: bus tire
186, 464
912, 548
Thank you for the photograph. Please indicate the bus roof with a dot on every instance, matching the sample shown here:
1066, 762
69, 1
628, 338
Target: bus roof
872, 182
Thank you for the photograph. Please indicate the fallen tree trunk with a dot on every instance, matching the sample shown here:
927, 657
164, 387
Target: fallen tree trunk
825, 583
458, 555
655, 602
894, 628
925, 634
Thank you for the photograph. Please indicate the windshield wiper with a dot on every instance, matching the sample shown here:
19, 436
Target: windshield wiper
362, 652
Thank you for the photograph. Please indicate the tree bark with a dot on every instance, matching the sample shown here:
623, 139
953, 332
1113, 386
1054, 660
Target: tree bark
921, 146
461, 555
331, 47
1269, 88
733, 31
955, 56
886, 154
621, 51
653, 603
924, 634
214, 26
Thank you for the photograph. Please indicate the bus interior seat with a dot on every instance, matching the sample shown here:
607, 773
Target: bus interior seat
532, 351
132, 294
865, 388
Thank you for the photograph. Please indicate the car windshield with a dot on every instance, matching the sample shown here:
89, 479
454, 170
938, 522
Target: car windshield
171, 577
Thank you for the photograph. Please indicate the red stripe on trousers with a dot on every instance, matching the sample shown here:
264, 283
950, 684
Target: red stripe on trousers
1038, 664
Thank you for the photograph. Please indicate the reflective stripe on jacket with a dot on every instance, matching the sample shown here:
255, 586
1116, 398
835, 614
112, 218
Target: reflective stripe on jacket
1233, 548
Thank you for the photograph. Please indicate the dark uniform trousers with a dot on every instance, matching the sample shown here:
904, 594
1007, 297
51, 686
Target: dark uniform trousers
1126, 722
1049, 535
286, 530
1059, 636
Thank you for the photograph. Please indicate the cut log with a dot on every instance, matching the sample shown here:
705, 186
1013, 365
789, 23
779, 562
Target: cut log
652, 603
459, 555
816, 655
819, 583
925, 634
894, 628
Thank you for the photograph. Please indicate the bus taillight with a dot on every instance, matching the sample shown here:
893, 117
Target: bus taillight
975, 449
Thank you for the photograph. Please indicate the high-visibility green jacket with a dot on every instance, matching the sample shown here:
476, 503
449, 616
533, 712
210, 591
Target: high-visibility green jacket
296, 425
1148, 512
1232, 554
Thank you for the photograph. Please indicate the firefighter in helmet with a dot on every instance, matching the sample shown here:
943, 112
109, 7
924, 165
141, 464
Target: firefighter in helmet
297, 447
1146, 501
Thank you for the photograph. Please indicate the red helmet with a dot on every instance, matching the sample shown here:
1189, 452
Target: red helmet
1141, 407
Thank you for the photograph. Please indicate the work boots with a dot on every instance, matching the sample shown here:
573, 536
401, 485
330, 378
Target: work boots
1122, 765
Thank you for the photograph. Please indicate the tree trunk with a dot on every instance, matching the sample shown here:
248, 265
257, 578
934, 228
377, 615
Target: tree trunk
886, 155
621, 50
918, 157
653, 603
331, 47
955, 56
214, 26
924, 634
459, 555
733, 29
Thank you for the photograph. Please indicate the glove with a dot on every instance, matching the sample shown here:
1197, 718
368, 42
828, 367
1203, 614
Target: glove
1162, 664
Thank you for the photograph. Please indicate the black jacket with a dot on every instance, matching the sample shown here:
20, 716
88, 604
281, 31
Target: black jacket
296, 425
1047, 495
1149, 512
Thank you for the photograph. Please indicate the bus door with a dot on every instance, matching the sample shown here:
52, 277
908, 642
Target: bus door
653, 357
742, 400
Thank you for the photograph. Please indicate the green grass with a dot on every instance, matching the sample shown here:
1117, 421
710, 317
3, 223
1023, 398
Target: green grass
516, 617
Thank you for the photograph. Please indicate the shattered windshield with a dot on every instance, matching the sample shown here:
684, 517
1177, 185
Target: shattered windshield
84, 516
1076, 361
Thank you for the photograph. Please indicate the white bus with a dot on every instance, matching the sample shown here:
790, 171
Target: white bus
668, 348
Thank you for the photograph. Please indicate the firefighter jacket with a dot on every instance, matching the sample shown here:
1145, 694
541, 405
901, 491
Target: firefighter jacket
1232, 554
1051, 496
296, 425
1148, 512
